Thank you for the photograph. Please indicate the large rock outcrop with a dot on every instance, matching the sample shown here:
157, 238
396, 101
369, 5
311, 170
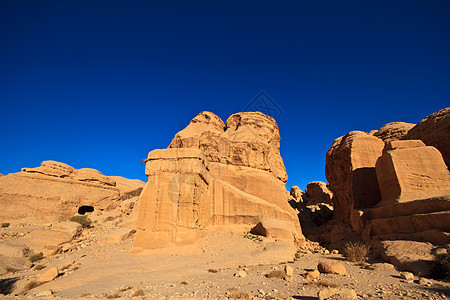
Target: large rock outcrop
215, 175
318, 192
393, 131
434, 130
55, 191
350, 171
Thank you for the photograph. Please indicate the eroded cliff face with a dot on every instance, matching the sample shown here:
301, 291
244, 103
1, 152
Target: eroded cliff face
215, 175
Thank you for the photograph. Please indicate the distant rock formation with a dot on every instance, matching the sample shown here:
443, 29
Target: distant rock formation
318, 192
215, 175
55, 191
393, 131
396, 189
434, 131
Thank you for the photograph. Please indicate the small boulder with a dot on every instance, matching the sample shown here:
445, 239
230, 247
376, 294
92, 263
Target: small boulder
381, 267
337, 294
45, 293
288, 270
331, 267
240, 273
407, 275
424, 281
49, 275
312, 275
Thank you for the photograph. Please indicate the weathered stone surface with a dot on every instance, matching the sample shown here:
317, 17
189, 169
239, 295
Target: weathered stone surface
54, 192
43, 240
317, 192
331, 267
406, 174
214, 175
296, 193
128, 188
249, 139
311, 275
382, 267
350, 171
408, 255
404, 144
117, 236
393, 131
72, 228
273, 228
14, 250
49, 275
434, 131
337, 294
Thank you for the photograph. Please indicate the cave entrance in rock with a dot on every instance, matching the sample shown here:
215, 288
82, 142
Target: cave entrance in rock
84, 209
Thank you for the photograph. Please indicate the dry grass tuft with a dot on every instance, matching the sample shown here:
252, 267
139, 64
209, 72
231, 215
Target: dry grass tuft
39, 267
356, 251
322, 283
276, 274
112, 296
213, 271
235, 293
6, 224
36, 257
441, 267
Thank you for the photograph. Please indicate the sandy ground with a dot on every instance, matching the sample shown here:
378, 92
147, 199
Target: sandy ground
207, 270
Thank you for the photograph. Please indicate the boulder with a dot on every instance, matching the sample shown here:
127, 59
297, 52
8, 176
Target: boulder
214, 175
393, 131
55, 191
274, 228
331, 267
49, 275
407, 173
384, 267
296, 193
434, 131
317, 192
411, 256
350, 171
312, 275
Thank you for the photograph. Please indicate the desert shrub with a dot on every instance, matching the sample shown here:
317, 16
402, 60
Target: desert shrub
112, 296
213, 271
10, 270
83, 220
322, 283
139, 292
31, 285
184, 283
441, 267
356, 251
276, 274
6, 224
36, 257
235, 293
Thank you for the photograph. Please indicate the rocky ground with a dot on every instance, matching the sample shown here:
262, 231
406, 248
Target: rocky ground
221, 265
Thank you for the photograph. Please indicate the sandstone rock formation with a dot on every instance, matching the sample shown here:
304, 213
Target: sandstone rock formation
393, 131
296, 193
214, 175
434, 131
350, 171
55, 191
318, 192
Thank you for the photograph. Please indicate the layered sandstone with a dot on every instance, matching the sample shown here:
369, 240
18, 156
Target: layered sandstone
434, 131
215, 175
350, 171
55, 191
318, 192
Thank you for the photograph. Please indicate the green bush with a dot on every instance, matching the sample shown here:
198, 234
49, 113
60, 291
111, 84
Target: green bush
83, 220
6, 224
36, 257
356, 251
441, 267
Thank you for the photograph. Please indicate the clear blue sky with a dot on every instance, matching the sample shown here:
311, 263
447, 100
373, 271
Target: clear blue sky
101, 83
